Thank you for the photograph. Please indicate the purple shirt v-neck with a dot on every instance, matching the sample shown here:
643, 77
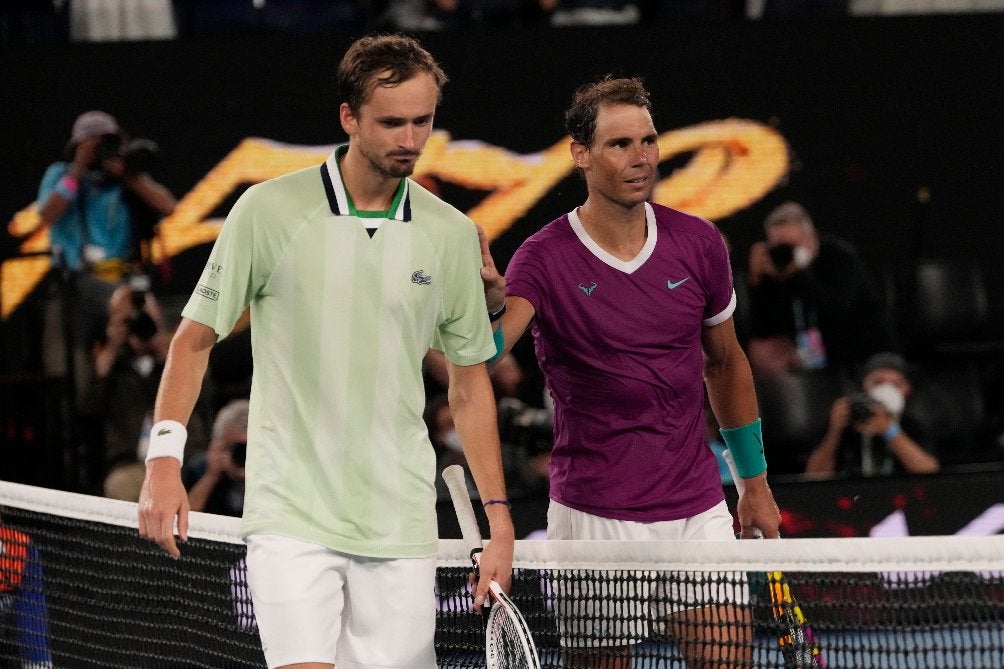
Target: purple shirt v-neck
620, 347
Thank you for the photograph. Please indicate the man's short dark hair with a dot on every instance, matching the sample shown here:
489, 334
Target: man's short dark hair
580, 118
886, 360
383, 60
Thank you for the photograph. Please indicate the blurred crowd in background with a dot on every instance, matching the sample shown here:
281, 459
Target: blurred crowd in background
108, 20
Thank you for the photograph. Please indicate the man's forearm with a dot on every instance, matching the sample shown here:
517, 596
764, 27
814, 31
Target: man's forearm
181, 382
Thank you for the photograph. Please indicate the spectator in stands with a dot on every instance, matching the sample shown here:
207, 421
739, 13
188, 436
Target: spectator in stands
127, 362
89, 201
631, 302
812, 302
464, 14
215, 479
118, 404
351, 271
872, 433
595, 13
525, 433
121, 20
83, 199
24, 614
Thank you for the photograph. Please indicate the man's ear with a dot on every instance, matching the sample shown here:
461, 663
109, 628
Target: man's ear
350, 124
580, 155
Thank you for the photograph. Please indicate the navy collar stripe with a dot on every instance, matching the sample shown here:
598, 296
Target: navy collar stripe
329, 190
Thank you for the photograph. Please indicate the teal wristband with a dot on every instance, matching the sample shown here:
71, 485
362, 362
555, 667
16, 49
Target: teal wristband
892, 432
499, 337
746, 445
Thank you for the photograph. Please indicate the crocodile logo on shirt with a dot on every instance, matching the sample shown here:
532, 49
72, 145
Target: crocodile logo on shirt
587, 290
420, 278
162, 431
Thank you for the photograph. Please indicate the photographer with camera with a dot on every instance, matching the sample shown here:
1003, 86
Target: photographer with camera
871, 432
89, 200
127, 362
813, 304
215, 479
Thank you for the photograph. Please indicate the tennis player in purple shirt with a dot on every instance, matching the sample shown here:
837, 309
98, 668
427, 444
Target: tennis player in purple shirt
630, 304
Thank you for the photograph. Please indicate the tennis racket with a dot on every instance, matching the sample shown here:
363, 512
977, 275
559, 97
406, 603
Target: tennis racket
508, 643
799, 647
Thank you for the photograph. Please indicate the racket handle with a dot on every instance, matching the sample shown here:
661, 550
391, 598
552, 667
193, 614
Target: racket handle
456, 481
740, 484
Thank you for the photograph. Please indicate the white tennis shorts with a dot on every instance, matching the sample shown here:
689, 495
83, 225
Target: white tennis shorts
597, 608
317, 605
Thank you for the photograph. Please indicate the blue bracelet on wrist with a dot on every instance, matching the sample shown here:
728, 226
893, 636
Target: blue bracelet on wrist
892, 432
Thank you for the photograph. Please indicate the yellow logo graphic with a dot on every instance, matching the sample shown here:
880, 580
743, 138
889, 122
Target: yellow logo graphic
732, 164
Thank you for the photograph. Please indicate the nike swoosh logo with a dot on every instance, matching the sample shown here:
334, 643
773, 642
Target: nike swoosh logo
673, 284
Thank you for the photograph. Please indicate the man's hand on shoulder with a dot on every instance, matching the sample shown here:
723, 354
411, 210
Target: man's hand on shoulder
493, 280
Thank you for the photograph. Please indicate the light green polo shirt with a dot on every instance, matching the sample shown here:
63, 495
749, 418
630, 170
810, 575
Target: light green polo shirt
338, 453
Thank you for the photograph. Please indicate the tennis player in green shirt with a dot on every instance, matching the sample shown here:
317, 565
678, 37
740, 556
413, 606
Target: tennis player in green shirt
352, 272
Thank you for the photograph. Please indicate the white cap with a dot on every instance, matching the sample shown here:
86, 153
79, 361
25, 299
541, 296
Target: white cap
93, 124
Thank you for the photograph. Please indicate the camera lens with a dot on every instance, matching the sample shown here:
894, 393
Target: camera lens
782, 255
862, 407
108, 147
142, 325
239, 453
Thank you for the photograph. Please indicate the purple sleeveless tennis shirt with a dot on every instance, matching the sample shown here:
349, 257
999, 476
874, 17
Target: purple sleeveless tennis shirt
620, 347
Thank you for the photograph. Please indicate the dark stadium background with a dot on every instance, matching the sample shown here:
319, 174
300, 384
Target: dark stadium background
874, 111
873, 108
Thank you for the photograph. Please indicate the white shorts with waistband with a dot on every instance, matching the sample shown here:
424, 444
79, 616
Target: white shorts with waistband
314, 604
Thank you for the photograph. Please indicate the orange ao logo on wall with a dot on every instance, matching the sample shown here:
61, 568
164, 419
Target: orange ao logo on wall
733, 163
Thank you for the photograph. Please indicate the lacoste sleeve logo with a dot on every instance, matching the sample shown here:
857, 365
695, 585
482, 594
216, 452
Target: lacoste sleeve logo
420, 278
162, 431
207, 292
673, 284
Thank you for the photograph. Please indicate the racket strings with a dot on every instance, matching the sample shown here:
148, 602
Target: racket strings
506, 647
508, 642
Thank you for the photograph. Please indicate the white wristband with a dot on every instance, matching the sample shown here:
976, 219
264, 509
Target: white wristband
167, 439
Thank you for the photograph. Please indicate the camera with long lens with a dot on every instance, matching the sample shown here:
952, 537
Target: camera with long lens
862, 407
109, 146
140, 323
781, 255
140, 155
525, 425
239, 453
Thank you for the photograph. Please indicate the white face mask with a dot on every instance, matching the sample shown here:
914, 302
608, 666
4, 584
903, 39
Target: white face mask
144, 365
889, 396
452, 441
802, 255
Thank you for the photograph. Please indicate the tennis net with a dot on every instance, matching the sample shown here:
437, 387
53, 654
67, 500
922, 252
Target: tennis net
80, 589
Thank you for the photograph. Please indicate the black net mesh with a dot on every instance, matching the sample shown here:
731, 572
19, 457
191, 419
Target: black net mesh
80, 594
